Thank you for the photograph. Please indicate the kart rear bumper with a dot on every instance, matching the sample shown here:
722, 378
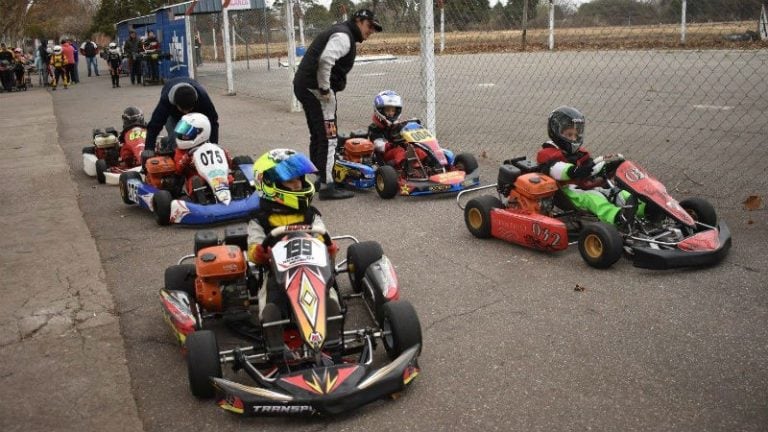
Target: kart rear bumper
659, 259
327, 391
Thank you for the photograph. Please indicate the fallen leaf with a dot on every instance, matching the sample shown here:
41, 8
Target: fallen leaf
579, 288
753, 202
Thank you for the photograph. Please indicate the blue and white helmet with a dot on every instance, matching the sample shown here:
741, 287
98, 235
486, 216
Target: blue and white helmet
387, 98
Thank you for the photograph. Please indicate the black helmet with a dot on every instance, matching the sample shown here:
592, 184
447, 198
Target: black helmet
132, 116
562, 119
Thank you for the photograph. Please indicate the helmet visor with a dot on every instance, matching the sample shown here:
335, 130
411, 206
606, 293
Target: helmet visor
297, 165
185, 131
573, 131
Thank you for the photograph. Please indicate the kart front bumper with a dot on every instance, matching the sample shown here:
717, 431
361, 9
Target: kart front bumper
320, 391
661, 259
411, 187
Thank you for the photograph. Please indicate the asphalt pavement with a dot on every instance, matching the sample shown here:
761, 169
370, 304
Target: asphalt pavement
513, 339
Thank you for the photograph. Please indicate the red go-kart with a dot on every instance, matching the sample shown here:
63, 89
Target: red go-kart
107, 158
530, 211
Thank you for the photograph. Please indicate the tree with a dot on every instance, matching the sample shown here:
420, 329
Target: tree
467, 14
339, 7
110, 12
514, 9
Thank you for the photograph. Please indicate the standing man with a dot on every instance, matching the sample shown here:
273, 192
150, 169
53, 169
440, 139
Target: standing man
180, 96
90, 50
45, 59
321, 74
69, 56
131, 49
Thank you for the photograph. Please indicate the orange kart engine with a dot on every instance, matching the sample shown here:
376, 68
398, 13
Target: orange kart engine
533, 192
160, 171
358, 149
221, 281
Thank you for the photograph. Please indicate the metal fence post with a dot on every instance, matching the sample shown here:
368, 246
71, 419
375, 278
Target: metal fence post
682, 23
227, 52
441, 4
291, 36
428, 61
190, 46
551, 25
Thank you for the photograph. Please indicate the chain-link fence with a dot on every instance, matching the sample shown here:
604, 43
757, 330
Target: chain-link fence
686, 97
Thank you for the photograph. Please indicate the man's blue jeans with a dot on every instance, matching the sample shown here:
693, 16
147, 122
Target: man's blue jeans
92, 61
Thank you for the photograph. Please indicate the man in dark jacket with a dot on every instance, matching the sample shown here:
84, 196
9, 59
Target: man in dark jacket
131, 50
320, 75
90, 49
180, 96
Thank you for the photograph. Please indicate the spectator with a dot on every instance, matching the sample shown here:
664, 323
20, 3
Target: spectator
151, 49
180, 96
69, 56
75, 70
90, 50
132, 50
198, 48
44, 58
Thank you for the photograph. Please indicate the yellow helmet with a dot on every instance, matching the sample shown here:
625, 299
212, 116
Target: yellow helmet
278, 166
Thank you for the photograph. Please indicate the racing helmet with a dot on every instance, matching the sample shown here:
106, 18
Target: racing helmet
57, 49
112, 45
387, 98
566, 128
132, 116
17, 50
192, 130
278, 166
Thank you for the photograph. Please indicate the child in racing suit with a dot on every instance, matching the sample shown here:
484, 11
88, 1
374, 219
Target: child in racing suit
581, 176
59, 64
192, 130
114, 58
285, 193
385, 129
132, 117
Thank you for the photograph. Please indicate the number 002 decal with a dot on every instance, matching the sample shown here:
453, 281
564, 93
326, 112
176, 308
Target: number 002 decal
545, 235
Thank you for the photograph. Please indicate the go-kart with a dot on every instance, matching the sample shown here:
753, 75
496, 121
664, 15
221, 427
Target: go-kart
529, 210
223, 195
428, 168
106, 159
303, 360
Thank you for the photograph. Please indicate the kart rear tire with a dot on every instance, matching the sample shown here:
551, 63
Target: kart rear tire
240, 160
402, 323
101, 166
89, 150
181, 277
123, 184
359, 257
386, 182
161, 202
477, 215
202, 363
465, 162
700, 210
600, 245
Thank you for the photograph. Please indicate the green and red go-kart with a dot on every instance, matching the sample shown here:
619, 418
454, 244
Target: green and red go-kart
302, 357
529, 210
429, 168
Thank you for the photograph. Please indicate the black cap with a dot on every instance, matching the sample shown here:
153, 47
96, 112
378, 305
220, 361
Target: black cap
367, 14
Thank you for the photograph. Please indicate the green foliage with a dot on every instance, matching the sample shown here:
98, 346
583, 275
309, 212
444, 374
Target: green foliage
467, 14
110, 12
338, 7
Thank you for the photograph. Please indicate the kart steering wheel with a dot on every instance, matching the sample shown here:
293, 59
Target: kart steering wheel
273, 235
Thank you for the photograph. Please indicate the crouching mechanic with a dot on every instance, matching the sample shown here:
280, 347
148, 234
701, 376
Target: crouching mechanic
581, 176
280, 178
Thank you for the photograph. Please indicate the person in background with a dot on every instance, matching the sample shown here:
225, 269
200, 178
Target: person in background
69, 55
132, 50
90, 50
59, 65
44, 58
114, 58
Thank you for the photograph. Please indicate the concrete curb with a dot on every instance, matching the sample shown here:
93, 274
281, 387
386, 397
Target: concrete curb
62, 360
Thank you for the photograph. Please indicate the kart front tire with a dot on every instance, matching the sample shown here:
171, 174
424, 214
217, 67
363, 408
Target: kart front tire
101, 167
465, 162
202, 363
359, 257
386, 182
477, 215
600, 245
401, 327
161, 202
700, 210
123, 184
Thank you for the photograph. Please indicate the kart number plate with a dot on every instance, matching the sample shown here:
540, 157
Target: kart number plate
299, 251
417, 135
